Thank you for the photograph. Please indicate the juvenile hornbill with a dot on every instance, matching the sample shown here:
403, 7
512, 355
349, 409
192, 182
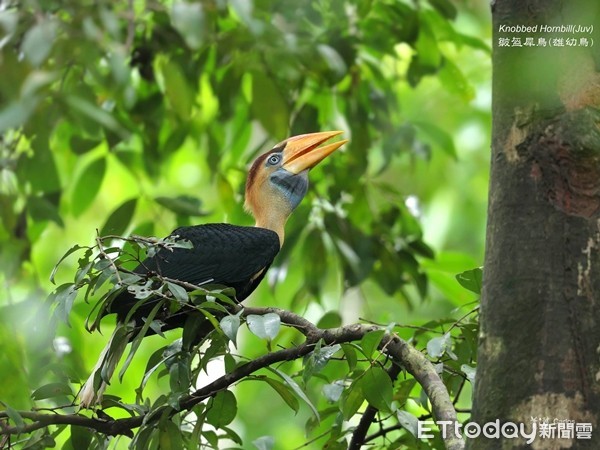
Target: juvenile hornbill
223, 254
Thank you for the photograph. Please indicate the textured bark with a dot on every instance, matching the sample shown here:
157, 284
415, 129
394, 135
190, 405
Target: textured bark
539, 350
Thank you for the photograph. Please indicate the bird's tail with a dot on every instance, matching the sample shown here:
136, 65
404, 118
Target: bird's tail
105, 367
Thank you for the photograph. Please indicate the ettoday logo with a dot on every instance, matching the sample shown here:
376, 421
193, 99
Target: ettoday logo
491, 430
557, 429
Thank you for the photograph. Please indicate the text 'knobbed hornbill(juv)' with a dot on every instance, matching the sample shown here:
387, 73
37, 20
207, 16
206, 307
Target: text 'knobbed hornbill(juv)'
223, 254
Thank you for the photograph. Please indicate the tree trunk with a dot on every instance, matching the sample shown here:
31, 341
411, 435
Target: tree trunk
539, 349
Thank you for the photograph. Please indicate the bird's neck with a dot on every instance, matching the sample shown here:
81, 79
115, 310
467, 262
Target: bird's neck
273, 220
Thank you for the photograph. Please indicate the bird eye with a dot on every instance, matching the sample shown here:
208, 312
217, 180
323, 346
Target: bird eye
274, 159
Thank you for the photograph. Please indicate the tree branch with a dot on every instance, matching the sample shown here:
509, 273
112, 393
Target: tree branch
402, 354
360, 432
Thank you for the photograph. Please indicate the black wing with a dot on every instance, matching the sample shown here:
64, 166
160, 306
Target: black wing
223, 254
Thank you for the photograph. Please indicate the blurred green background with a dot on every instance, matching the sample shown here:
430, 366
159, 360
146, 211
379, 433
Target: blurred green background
137, 117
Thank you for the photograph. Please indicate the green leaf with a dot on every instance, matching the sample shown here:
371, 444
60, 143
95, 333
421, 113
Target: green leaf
184, 205
40, 170
264, 443
188, 20
232, 435
230, 325
211, 318
52, 390
80, 437
36, 81
175, 241
159, 357
38, 42
41, 209
14, 415
471, 279
408, 421
377, 388
445, 8
269, 106
265, 327
66, 255
87, 186
330, 319
352, 399
179, 292
138, 338
428, 53
350, 354
96, 114
469, 372
474, 42
323, 356
140, 292
177, 88
191, 327
438, 137
8, 22
170, 437
284, 392
336, 445
299, 392
371, 341
469, 333
439, 345
229, 362
455, 82
16, 113
318, 359
179, 380
119, 219
211, 437
142, 439
64, 296
80, 145
333, 391
403, 390
39, 439
222, 409
335, 63
315, 265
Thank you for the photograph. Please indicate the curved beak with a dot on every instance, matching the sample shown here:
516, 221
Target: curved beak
303, 152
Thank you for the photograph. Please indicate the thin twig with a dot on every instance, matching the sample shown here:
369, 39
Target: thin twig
315, 439
108, 258
455, 324
185, 284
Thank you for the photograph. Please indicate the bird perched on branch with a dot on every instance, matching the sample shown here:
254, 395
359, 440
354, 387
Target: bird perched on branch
223, 254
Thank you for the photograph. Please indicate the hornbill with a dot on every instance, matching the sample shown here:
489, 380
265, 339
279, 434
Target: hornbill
222, 254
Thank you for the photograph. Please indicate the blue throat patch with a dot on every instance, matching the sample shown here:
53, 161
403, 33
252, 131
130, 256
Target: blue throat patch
293, 187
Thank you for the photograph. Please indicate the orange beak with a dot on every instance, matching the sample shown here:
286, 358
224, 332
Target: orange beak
303, 152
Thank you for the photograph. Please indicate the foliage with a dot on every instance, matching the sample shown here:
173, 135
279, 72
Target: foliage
132, 118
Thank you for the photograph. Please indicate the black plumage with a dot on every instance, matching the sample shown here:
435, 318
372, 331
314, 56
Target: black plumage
221, 254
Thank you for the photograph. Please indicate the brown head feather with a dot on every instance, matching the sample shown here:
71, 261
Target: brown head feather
254, 170
258, 162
